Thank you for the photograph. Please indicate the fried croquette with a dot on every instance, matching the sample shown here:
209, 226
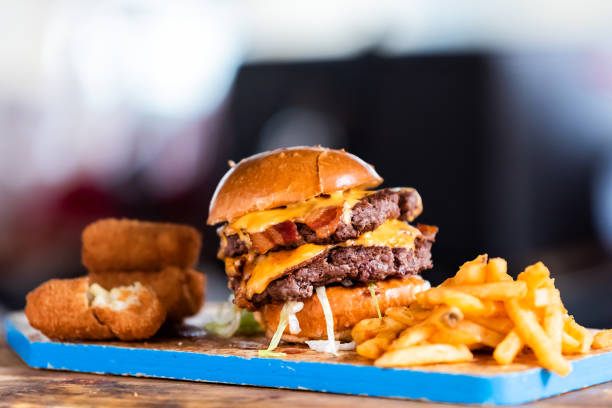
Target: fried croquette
59, 308
71, 309
180, 291
125, 245
131, 312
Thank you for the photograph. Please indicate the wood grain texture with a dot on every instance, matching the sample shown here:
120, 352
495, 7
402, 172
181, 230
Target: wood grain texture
22, 385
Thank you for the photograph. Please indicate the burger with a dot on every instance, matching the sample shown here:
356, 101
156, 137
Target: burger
312, 248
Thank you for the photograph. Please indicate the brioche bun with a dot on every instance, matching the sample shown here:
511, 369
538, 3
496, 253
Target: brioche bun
349, 306
284, 176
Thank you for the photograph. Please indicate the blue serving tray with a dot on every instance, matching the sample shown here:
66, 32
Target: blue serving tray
191, 355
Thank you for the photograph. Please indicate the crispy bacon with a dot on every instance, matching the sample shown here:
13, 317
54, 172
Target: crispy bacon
260, 242
324, 221
288, 231
280, 234
429, 231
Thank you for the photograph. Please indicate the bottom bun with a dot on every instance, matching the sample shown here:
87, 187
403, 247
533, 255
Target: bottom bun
349, 306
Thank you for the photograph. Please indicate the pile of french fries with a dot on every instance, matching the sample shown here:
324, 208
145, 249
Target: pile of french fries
481, 307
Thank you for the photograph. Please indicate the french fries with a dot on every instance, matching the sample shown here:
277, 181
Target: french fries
472, 272
603, 339
413, 335
497, 271
496, 290
425, 354
583, 335
510, 346
376, 346
482, 306
528, 327
369, 328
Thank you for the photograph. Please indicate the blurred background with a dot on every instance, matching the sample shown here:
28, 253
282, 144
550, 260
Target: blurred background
499, 113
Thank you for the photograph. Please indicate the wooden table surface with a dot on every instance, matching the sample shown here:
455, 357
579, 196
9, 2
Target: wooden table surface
24, 386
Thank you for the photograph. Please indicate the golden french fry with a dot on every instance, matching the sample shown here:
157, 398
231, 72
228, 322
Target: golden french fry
425, 354
366, 329
534, 275
445, 317
495, 290
510, 346
583, 335
418, 311
569, 345
455, 336
370, 349
405, 315
374, 347
535, 337
497, 271
603, 339
369, 328
542, 297
413, 335
499, 324
553, 320
466, 303
487, 337
472, 272
422, 299
494, 308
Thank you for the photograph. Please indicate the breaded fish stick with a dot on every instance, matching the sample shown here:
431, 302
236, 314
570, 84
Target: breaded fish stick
125, 245
180, 291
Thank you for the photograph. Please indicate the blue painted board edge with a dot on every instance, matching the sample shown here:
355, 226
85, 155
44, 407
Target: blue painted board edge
500, 389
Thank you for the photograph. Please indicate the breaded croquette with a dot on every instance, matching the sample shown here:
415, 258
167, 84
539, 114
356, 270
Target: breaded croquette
59, 308
70, 309
126, 245
131, 312
180, 291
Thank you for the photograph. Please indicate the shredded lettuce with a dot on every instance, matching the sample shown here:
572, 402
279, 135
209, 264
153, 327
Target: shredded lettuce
231, 319
282, 324
271, 354
248, 325
322, 345
330, 347
294, 323
372, 288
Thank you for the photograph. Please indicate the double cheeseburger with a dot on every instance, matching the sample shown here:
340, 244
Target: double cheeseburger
303, 224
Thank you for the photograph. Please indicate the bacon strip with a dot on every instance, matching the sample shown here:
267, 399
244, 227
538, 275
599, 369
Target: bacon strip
428, 231
324, 221
288, 231
280, 234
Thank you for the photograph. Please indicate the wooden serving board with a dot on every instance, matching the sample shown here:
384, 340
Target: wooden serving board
187, 353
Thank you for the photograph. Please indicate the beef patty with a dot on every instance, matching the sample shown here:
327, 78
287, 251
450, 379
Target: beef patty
347, 266
366, 215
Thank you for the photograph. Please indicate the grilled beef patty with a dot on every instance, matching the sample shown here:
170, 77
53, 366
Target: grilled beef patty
347, 266
366, 215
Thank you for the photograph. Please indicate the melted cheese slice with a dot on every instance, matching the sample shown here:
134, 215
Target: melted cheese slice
269, 267
392, 233
260, 220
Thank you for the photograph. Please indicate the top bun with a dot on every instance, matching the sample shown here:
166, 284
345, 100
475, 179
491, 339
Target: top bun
285, 176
